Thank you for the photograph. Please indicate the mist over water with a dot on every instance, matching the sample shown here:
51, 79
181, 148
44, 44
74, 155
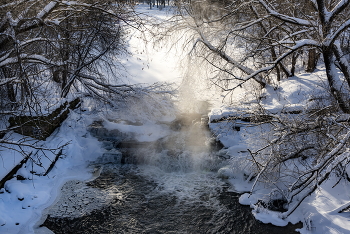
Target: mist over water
166, 186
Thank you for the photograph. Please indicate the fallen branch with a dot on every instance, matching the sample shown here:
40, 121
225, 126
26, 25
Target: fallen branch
53, 162
10, 175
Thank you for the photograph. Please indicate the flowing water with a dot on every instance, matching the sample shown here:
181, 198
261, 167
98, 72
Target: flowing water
168, 186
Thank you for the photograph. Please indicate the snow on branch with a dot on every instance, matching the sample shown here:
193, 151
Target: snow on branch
7, 80
11, 20
223, 55
308, 181
338, 9
38, 39
329, 40
304, 42
294, 34
34, 58
249, 24
92, 78
317, 178
8, 61
324, 14
250, 72
13, 3
47, 9
6, 56
96, 7
286, 18
299, 44
314, 3
341, 209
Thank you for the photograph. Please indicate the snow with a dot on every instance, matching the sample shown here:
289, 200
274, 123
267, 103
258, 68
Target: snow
147, 132
47, 9
22, 201
287, 18
331, 38
34, 58
8, 61
295, 94
7, 165
341, 5
318, 212
151, 62
11, 4
269, 217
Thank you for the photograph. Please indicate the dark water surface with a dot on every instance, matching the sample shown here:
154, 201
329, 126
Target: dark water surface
144, 208
170, 186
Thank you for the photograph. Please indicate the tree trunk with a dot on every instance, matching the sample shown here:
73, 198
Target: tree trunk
10, 90
11, 93
331, 72
65, 58
343, 62
312, 60
294, 61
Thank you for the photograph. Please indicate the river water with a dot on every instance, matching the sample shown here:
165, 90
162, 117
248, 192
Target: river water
168, 186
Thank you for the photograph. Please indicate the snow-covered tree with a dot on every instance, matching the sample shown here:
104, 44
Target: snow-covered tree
54, 51
264, 41
61, 41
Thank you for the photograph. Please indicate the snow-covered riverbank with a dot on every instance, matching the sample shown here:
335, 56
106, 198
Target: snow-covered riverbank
318, 211
22, 201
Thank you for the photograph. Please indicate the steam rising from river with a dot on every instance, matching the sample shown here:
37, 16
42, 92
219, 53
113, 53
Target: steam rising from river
183, 163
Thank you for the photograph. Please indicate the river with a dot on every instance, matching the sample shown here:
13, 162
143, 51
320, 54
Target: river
167, 186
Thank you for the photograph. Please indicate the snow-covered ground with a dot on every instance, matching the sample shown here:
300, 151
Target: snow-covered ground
318, 211
151, 61
23, 201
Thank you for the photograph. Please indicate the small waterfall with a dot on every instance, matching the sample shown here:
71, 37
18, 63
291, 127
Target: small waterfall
169, 185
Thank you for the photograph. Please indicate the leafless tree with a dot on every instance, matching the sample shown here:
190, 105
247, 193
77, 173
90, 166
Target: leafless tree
262, 41
53, 51
270, 36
